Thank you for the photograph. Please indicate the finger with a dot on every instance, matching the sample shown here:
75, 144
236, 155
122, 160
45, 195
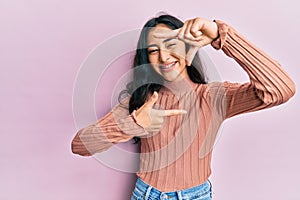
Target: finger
152, 100
167, 34
191, 41
155, 126
152, 131
166, 113
158, 120
196, 27
187, 32
182, 31
190, 55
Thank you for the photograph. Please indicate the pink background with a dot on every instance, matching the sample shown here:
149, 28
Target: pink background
42, 46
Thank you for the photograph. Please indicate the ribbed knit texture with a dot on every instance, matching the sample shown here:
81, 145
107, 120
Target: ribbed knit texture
179, 155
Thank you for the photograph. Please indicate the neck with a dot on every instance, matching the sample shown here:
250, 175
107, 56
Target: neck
180, 86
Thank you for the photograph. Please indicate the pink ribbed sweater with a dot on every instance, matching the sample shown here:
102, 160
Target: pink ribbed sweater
179, 156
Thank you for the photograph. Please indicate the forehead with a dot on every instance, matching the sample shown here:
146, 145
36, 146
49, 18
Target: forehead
159, 28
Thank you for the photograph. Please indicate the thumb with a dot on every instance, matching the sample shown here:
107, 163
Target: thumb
152, 100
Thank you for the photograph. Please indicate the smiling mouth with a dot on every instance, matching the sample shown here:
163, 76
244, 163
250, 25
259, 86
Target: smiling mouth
167, 67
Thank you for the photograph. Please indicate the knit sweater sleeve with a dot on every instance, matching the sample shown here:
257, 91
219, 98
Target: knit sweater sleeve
116, 126
269, 84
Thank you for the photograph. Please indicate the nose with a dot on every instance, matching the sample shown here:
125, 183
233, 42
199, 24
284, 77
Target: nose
164, 55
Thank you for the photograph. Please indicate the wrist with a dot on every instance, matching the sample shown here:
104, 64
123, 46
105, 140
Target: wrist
214, 30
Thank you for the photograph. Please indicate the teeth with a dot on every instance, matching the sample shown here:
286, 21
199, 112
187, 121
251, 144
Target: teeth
167, 66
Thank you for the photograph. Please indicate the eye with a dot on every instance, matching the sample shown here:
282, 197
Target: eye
152, 51
171, 45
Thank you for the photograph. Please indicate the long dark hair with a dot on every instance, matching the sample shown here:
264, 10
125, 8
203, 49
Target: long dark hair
145, 79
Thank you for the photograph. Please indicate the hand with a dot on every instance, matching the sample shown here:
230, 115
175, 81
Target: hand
197, 32
152, 119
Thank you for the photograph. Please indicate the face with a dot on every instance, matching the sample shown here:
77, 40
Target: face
167, 56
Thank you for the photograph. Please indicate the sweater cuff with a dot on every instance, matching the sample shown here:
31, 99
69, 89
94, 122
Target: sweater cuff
223, 33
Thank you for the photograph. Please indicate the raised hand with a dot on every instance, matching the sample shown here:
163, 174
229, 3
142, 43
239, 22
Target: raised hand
152, 119
197, 32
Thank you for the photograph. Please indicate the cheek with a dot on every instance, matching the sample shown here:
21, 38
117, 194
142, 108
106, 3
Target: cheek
179, 55
179, 52
153, 59
155, 67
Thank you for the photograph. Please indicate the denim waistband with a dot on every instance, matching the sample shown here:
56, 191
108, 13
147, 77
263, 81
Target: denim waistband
203, 190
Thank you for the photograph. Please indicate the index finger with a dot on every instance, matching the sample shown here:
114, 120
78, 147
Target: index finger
166, 113
167, 34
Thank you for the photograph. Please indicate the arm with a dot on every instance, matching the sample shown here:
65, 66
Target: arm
116, 126
269, 84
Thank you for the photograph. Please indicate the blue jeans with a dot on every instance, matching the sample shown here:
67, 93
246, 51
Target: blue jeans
143, 191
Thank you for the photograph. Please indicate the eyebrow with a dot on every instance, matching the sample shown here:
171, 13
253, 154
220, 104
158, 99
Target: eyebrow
164, 41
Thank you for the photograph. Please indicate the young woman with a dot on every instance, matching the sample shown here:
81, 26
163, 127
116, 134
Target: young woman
175, 113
